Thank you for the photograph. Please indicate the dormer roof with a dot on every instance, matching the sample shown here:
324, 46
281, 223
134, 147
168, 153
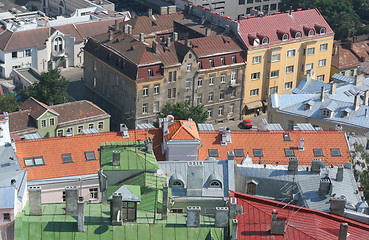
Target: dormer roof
183, 130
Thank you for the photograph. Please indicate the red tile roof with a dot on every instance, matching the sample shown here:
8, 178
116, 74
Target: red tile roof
182, 130
302, 223
37, 108
71, 30
274, 26
351, 57
94, 28
52, 148
273, 145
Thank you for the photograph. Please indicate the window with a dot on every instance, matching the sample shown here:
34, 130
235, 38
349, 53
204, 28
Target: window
93, 193
52, 121
174, 76
233, 92
273, 6
60, 133
213, 153
274, 74
222, 60
43, 123
199, 82
248, 10
233, 76
177, 183
265, 8
69, 131
28, 52
34, 161
220, 111
254, 92
222, 77
298, 35
250, 1
91, 126
276, 57
290, 125
241, 2
156, 89
291, 53
289, 69
326, 113
251, 188
64, 196
352, 72
320, 78
199, 64
265, 40
310, 51
67, 158
14, 54
285, 37
322, 62
145, 108
239, 153
234, 59
90, 156
79, 129
318, 152
170, 76
169, 93
221, 95
324, 47
145, 91
211, 62
255, 76
273, 90
211, 97
156, 106
258, 152
151, 72
256, 60
288, 85
188, 83
231, 108
289, 152
6, 217
100, 125
308, 67
199, 98
210, 113
188, 99
58, 44
215, 184
189, 67
311, 33
174, 92
211, 80
336, 152
286, 136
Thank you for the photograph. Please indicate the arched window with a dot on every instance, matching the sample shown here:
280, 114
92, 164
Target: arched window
285, 37
322, 30
256, 42
251, 188
265, 40
58, 44
215, 184
311, 33
298, 35
177, 183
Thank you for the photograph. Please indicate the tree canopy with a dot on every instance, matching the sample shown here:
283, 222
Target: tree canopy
184, 111
51, 89
8, 103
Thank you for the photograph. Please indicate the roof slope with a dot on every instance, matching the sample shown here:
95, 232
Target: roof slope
10, 41
302, 223
182, 130
352, 56
37, 108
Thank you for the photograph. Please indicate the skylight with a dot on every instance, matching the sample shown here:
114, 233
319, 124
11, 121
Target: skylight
239, 153
258, 152
289, 152
286, 137
34, 161
90, 156
318, 152
213, 153
336, 152
67, 158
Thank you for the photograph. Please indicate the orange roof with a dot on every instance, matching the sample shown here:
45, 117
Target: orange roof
273, 145
182, 130
51, 150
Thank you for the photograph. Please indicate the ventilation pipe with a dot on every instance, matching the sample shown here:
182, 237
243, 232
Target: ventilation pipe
343, 231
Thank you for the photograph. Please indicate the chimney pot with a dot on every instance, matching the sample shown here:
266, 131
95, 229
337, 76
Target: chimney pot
234, 229
116, 209
175, 37
116, 25
188, 43
169, 42
359, 79
366, 97
110, 35
81, 217
142, 37
278, 225
149, 12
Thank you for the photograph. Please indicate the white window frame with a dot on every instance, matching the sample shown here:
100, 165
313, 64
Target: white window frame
322, 62
274, 74
199, 81
43, 123
211, 79
94, 193
254, 92
291, 52
189, 67
211, 97
255, 76
150, 72
276, 57
91, 126
156, 106
309, 66
324, 47
145, 91
145, 108
222, 60
60, 133
256, 60
220, 111
288, 85
50, 119
222, 77
290, 69
310, 51
320, 77
233, 76
79, 129
156, 89
188, 84
100, 123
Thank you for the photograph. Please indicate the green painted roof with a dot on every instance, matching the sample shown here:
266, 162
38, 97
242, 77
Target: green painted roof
55, 225
133, 156
147, 180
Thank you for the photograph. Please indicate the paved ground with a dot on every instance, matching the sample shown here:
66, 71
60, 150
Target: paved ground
233, 125
76, 87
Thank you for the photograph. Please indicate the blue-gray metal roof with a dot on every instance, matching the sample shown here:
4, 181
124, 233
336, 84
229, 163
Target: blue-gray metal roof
7, 197
32, 136
340, 78
310, 86
205, 127
145, 126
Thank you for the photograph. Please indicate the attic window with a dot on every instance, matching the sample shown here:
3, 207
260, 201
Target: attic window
289, 152
213, 153
326, 113
90, 156
322, 31
285, 37
311, 33
298, 35
336, 152
215, 184
251, 188
318, 152
258, 152
67, 158
34, 161
177, 183
307, 106
265, 40
239, 153
286, 137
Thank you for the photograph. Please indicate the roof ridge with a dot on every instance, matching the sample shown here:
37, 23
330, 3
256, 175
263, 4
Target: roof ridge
185, 128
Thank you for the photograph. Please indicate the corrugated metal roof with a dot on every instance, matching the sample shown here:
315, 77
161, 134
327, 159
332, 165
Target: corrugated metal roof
338, 77
205, 127
7, 197
32, 136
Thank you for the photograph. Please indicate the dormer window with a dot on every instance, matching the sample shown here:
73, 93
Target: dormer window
215, 184
177, 183
265, 40
285, 37
298, 35
326, 113
322, 30
256, 42
307, 106
251, 187
311, 33
345, 112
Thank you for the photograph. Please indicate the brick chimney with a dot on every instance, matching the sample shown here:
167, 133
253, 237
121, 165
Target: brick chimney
359, 79
116, 25
278, 225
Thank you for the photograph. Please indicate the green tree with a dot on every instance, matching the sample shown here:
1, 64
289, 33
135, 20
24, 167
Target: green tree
8, 103
184, 111
52, 88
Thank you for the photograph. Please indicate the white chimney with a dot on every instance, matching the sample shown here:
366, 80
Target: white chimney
357, 101
333, 88
301, 147
366, 96
322, 94
165, 127
124, 130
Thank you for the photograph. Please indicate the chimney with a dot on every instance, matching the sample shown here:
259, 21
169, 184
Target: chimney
116, 158
278, 225
71, 200
142, 37
175, 37
339, 175
193, 216
234, 229
34, 194
81, 215
230, 155
357, 101
221, 217
234, 209
333, 88
124, 130
110, 35
133, 14
343, 231
322, 94
366, 113
337, 205
149, 12
149, 145
301, 147
315, 165
324, 186
188, 43
125, 29
116, 25
207, 32
129, 29
226, 136
169, 42
366, 97
359, 79
335, 49
155, 46
195, 172
116, 210
227, 29
203, 19
293, 165
164, 209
